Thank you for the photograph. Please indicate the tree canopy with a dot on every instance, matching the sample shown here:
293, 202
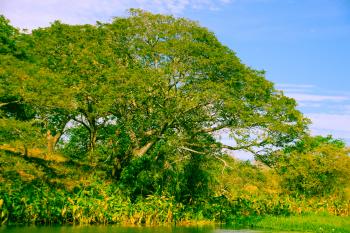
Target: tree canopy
143, 86
314, 166
119, 123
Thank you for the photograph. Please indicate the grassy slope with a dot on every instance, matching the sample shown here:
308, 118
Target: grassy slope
306, 223
55, 170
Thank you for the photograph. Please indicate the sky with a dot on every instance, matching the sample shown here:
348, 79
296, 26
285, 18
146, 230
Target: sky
303, 45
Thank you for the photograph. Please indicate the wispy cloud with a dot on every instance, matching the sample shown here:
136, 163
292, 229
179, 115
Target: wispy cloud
346, 109
307, 93
336, 124
310, 104
328, 110
33, 13
331, 121
317, 98
294, 86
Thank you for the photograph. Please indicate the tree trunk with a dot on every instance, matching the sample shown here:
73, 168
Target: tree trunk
144, 149
50, 145
25, 151
51, 142
92, 143
117, 168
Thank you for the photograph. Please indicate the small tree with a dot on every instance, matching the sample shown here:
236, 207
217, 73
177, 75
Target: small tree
315, 166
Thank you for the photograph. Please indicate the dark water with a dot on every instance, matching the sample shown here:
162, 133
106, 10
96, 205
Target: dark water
120, 229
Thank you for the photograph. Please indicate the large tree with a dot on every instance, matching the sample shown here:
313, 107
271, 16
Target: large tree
154, 84
195, 87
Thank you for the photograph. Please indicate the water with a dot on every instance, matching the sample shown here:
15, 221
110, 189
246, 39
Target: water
120, 229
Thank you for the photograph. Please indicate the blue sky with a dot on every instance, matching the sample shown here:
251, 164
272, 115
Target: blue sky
303, 45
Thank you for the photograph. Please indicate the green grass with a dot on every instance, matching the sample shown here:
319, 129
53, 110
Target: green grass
306, 223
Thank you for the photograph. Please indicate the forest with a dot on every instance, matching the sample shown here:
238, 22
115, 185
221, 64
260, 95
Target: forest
120, 122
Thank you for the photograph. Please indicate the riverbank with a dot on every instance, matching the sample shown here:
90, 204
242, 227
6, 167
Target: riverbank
305, 223
39, 191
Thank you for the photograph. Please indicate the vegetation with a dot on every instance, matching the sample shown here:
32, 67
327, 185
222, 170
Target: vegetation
117, 123
306, 223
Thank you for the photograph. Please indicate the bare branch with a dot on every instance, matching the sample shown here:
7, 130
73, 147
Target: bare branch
4, 104
244, 147
224, 162
143, 150
150, 132
83, 123
191, 150
213, 129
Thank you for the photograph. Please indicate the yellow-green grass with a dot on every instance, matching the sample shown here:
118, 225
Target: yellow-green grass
306, 223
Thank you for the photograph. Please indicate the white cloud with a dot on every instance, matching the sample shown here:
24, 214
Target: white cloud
310, 93
294, 86
39, 13
331, 121
310, 104
346, 109
329, 110
336, 124
317, 98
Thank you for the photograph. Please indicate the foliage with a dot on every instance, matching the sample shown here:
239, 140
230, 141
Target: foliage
121, 121
17, 125
159, 79
316, 166
320, 223
37, 191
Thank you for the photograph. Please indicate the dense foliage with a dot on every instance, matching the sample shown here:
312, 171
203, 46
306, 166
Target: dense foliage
315, 166
118, 122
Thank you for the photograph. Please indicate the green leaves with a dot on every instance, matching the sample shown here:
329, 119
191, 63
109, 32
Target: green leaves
315, 166
143, 95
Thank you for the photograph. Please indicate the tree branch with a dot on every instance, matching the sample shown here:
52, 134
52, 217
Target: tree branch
224, 162
143, 150
150, 132
244, 147
213, 129
191, 150
11, 102
83, 123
